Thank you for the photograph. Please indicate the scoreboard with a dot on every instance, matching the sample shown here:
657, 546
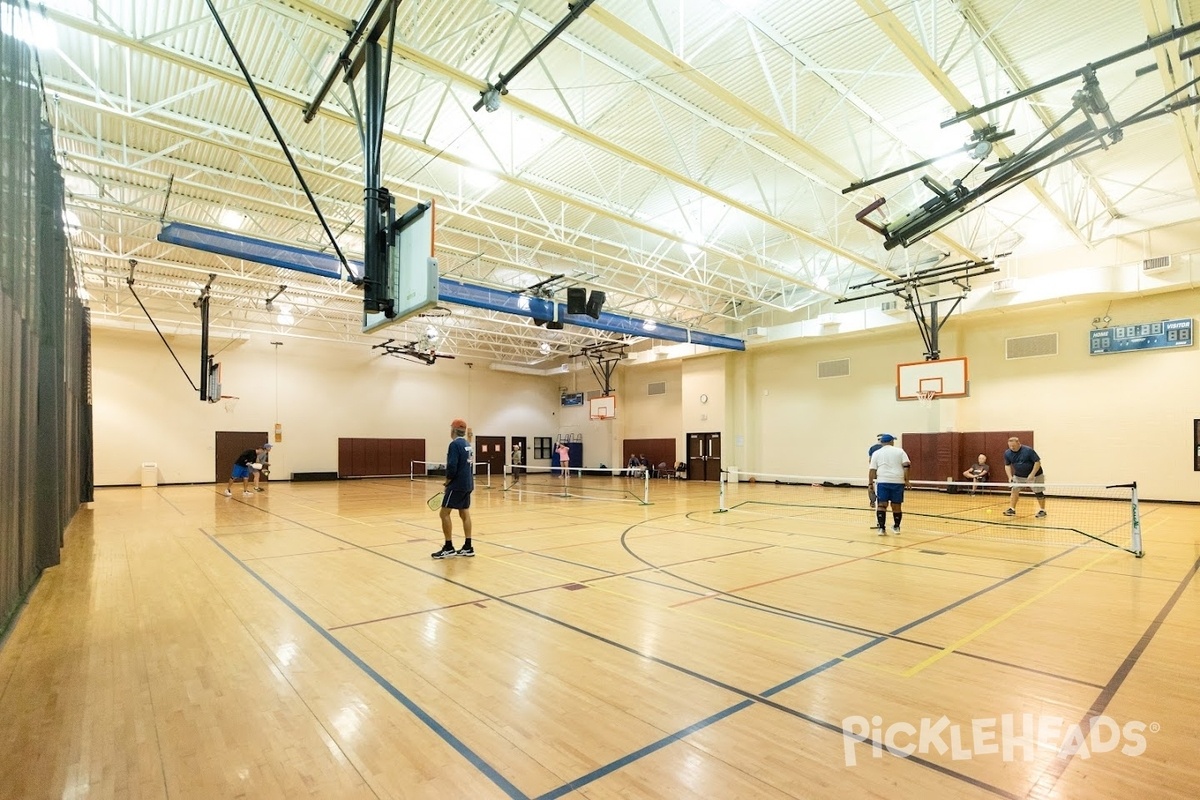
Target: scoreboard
1165, 333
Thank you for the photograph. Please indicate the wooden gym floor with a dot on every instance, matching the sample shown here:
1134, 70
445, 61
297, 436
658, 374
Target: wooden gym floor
302, 643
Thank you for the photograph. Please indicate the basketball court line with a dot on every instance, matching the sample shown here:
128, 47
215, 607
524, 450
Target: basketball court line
763, 697
844, 627
973, 526
1045, 783
401, 616
917, 622
1076, 572
872, 541
286, 555
449, 738
869, 633
987, 626
973, 555
851, 560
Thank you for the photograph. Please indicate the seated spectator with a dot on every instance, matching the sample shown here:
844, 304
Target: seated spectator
681, 470
634, 468
978, 473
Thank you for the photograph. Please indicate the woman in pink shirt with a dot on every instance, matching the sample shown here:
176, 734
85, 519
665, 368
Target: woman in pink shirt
564, 458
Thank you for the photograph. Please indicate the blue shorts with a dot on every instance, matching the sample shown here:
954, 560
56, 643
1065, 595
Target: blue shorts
456, 498
240, 472
893, 492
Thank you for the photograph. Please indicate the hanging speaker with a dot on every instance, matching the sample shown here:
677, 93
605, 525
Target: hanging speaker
577, 300
595, 304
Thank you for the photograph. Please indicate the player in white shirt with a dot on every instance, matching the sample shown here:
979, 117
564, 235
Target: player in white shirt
889, 477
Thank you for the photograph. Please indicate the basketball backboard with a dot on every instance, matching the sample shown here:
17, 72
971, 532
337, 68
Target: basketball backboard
412, 271
603, 407
947, 378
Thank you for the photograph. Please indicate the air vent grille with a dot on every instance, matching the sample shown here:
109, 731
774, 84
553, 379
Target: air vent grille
838, 368
1042, 344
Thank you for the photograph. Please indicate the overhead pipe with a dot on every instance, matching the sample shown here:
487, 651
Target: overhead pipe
313, 262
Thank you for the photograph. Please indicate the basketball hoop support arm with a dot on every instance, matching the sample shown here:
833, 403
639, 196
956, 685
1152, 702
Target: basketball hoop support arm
603, 359
909, 290
204, 321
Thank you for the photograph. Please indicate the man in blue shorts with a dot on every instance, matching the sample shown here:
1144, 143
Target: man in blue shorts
889, 477
1024, 467
460, 482
243, 467
870, 488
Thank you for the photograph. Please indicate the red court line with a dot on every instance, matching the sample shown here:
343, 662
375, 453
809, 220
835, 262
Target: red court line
810, 571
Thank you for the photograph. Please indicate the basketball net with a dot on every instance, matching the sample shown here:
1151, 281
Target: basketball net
926, 398
230, 402
602, 416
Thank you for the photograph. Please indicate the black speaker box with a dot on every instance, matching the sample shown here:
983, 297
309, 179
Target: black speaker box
576, 300
594, 305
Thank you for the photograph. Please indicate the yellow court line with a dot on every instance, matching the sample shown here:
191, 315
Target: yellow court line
938, 656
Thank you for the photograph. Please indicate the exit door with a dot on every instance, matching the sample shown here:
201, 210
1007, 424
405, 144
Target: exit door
704, 456
489, 450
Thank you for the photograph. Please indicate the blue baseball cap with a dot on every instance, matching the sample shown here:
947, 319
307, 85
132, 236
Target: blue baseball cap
886, 437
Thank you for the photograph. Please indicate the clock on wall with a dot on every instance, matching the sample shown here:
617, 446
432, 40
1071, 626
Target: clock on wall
703, 398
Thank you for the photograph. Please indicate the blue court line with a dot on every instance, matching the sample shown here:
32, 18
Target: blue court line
1045, 783
761, 699
613, 766
470, 755
921, 621
842, 627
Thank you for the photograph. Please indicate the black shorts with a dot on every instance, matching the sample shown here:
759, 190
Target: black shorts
456, 498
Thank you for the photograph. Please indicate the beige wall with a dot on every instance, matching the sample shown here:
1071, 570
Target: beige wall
145, 409
1101, 419
1098, 419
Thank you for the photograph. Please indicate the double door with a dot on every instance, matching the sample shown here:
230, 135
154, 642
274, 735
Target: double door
704, 456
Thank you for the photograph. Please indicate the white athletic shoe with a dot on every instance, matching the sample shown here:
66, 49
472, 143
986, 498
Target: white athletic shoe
247, 494
228, 493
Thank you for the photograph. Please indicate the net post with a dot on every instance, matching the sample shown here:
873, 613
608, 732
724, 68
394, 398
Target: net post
488, 464
646, 487
1136, 541
412, 471
722, 509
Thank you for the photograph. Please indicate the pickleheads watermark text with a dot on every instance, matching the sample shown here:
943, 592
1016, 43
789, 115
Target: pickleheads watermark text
1011, 737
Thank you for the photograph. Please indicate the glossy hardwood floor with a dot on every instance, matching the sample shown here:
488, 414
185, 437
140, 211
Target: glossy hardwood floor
302, 643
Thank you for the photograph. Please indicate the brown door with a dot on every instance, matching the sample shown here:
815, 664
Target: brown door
230, 445
489, 450
704, 456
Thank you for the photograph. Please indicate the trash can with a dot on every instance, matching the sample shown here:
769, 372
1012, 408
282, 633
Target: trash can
150, 474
